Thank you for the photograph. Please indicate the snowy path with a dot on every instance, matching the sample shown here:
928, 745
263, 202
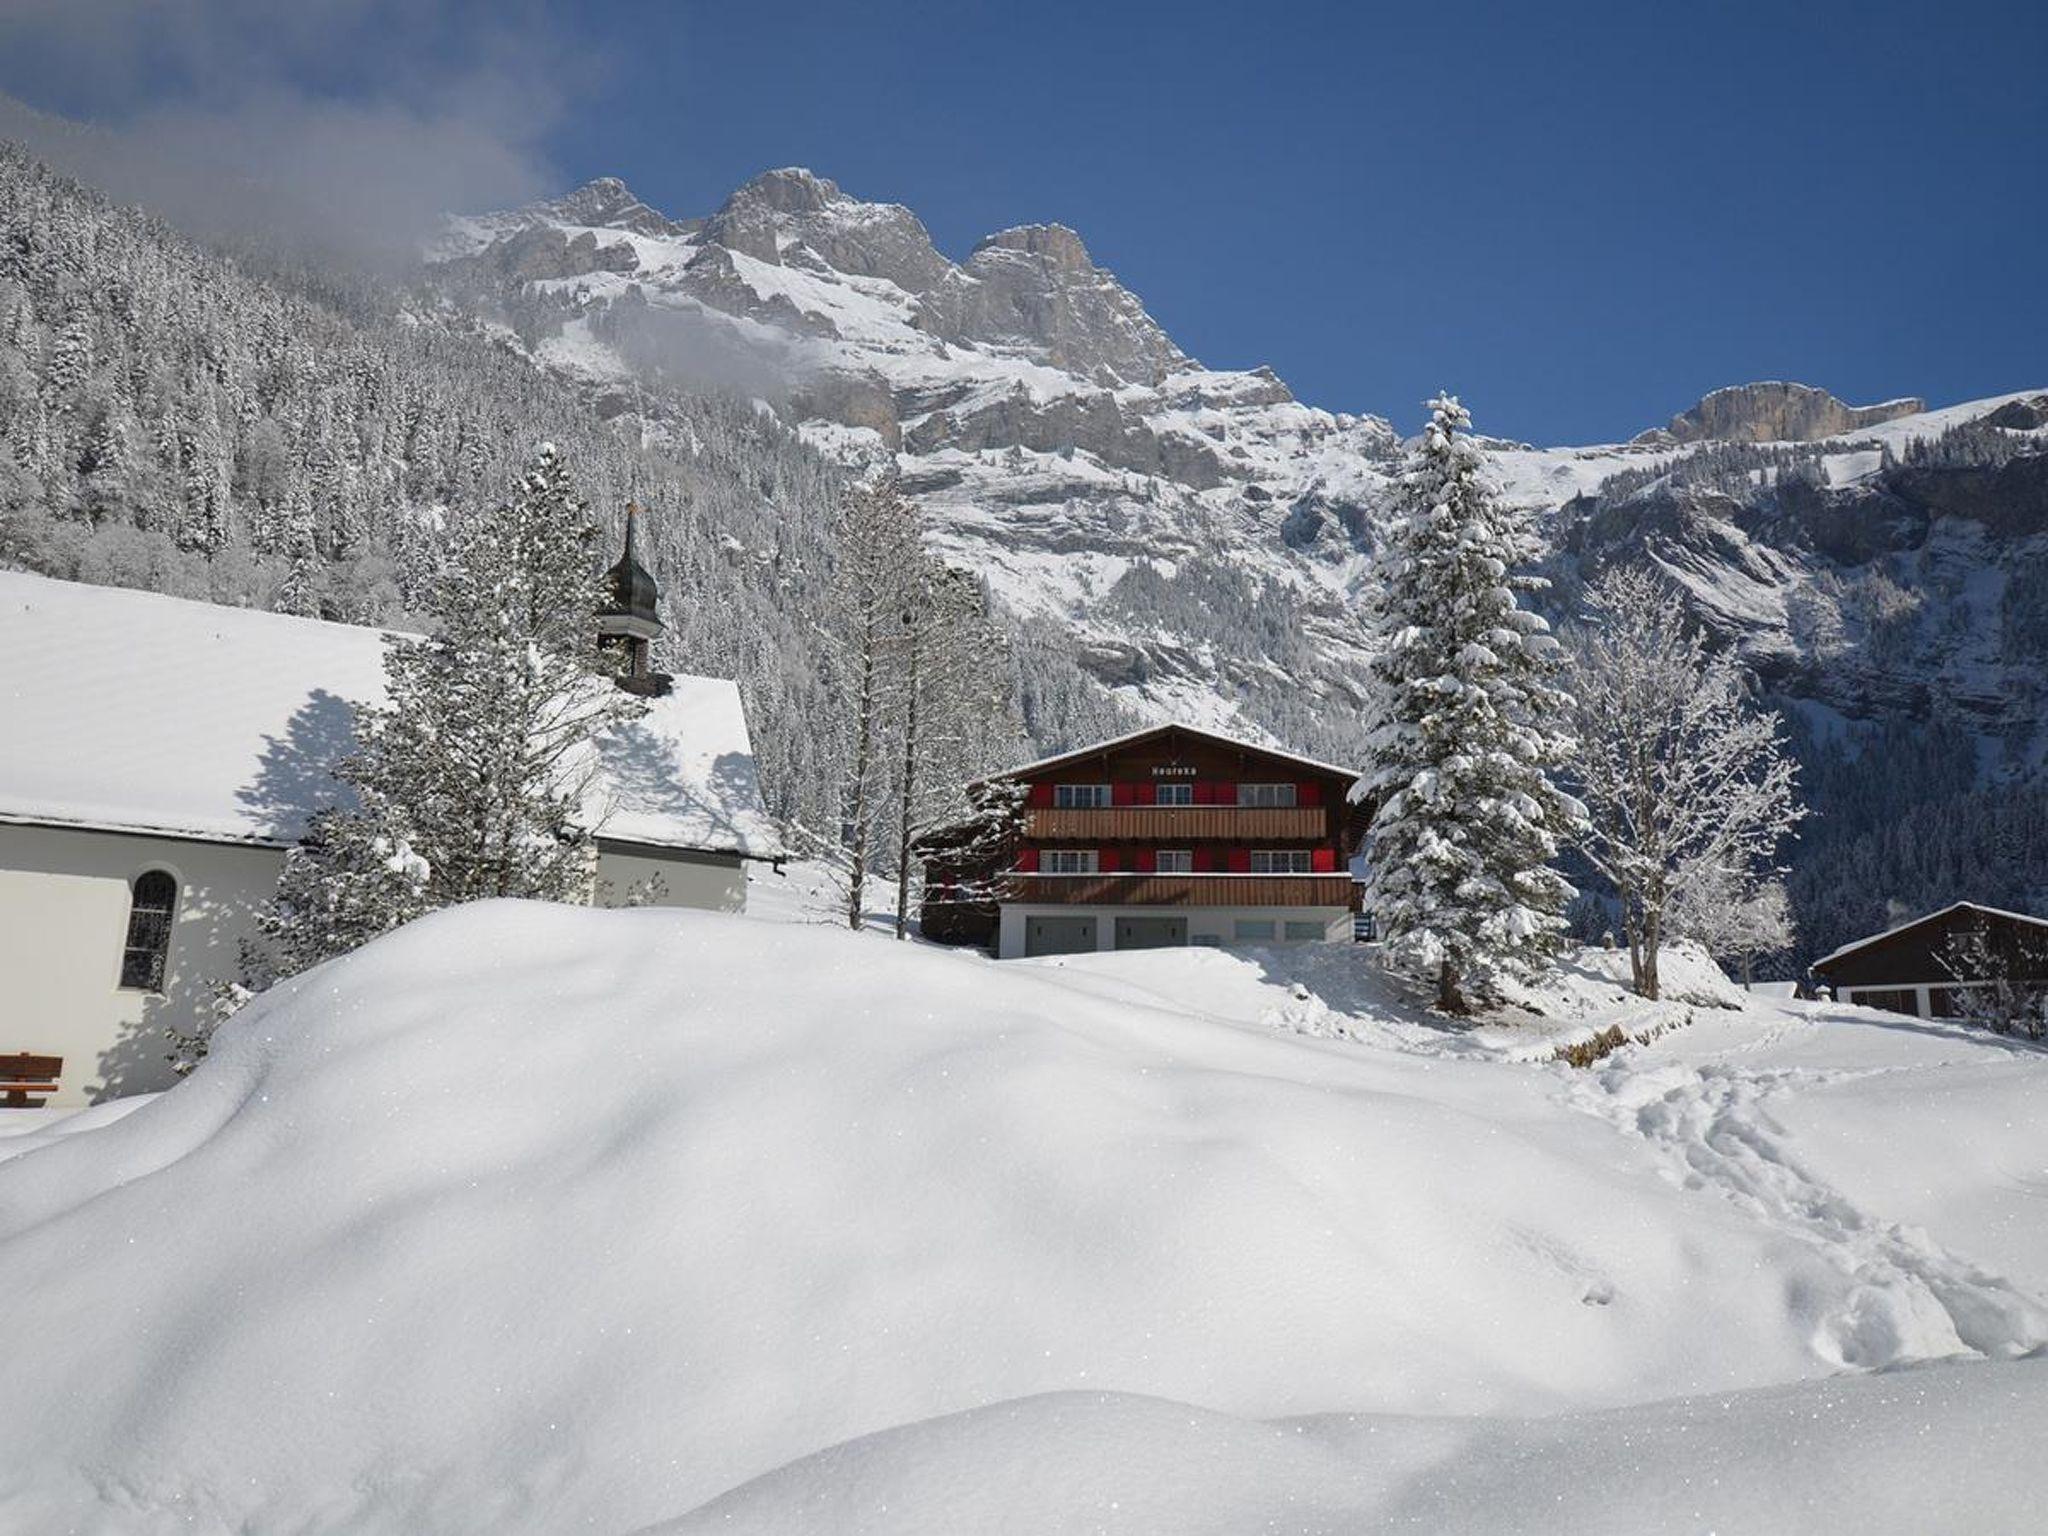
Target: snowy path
1715, 1125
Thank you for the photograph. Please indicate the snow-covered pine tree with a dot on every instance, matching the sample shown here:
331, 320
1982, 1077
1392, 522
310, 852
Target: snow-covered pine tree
486, 740
1467, 728
473, 779
1689, 786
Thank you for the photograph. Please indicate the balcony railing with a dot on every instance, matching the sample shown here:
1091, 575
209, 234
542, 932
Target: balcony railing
1195, 823
1142, 890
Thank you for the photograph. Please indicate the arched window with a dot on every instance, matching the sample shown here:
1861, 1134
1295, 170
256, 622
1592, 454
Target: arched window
150, 906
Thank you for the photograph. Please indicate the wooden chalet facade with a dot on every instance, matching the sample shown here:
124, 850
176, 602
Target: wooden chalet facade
1170, 836
1910, 969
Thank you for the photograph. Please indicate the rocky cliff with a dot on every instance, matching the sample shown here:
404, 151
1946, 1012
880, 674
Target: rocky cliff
1780, 413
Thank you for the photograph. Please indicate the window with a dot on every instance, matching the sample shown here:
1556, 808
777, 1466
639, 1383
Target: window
150, 905
1254, 930
1173, 794
1265, 794
1080, 797
1281, 861
1068, 861
1175, 861
1300, 932
1206, 940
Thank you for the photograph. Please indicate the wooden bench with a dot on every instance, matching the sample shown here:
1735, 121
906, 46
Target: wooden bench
23, 1075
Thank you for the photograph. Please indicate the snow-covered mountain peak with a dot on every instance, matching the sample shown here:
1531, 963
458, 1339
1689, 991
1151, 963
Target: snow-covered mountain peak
607, 203
790, 189
1054, 243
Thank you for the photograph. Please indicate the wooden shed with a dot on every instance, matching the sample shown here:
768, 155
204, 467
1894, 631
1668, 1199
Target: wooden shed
1911, 969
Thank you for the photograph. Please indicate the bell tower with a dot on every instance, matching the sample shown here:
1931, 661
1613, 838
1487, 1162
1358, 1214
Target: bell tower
630, 620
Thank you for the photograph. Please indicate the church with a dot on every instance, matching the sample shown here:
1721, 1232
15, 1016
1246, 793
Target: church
158, 756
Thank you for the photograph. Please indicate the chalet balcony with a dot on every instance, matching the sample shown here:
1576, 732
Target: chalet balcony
1152, 890
1187, 823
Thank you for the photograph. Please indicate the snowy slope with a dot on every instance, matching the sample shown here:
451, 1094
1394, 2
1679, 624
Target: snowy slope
534, 1219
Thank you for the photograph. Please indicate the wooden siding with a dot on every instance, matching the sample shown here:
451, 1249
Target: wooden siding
1917, 953
1184, 890
1188, 823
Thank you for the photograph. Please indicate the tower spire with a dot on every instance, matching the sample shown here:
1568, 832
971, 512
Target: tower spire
630, 620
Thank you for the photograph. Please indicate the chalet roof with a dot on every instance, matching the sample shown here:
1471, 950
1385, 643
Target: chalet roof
131, 711
1131, 738
1924, 918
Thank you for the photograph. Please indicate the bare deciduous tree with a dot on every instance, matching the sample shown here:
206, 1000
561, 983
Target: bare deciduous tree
1687, 784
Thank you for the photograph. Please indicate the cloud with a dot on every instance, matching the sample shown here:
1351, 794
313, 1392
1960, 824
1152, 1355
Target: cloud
349, 124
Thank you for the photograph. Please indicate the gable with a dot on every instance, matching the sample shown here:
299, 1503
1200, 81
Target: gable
1167, 752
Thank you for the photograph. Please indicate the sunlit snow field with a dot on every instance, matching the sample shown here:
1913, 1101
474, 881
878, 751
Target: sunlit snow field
540, 1219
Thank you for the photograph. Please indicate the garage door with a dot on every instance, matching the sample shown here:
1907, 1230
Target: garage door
1151, 932
1059, 935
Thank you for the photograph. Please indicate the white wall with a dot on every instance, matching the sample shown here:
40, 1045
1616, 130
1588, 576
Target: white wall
1204, 923
64, 895
63, 923
712, 882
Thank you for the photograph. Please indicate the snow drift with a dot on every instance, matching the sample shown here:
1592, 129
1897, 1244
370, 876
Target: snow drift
529, 1218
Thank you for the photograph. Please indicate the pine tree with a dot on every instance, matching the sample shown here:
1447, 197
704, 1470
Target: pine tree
474, 779
1467, 727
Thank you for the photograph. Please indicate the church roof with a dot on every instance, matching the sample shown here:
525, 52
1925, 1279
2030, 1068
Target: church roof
131, 711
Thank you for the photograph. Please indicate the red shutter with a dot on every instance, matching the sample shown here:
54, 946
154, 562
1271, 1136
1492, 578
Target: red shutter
1240, 861
1144, 861
1105, 859
1202, 861
1123, 793
1027, 860
1308, 792
1323, 861
1041, 796
1147, 794
1209, 792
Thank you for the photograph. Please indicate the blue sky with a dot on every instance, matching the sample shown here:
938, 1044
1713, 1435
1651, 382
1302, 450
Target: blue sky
1581, 217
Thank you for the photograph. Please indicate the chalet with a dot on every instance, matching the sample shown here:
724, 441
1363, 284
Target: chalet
1168, 836
1911, 968
158, 756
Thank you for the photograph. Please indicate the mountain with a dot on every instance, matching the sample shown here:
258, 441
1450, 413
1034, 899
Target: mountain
1203, 532
1203, 535
1200, 532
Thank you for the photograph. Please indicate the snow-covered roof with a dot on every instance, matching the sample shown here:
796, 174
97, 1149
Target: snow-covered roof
131, 711
1928, 917
1094, 748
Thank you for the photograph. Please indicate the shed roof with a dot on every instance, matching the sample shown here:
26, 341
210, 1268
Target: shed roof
132, 711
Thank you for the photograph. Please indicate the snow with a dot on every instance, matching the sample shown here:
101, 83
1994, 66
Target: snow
1902, 1453
133, 711
532, 1218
